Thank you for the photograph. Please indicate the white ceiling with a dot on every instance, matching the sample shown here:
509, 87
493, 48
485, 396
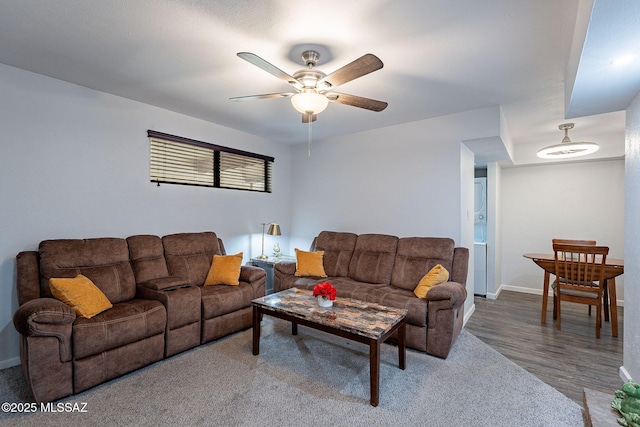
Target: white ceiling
440, 57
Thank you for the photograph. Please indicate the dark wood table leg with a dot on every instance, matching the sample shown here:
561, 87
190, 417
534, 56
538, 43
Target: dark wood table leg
605, 300
402, 345
374, 371
545, 297
294, 328
614, 306
256, 330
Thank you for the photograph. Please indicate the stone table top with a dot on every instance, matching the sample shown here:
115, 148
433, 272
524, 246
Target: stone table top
360, 317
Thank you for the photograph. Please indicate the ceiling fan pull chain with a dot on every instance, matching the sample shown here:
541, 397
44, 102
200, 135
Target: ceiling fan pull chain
309, 115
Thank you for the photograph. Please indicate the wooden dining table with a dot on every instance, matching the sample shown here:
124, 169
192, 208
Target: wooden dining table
613, 268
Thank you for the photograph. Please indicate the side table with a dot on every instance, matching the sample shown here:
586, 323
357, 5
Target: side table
267, 265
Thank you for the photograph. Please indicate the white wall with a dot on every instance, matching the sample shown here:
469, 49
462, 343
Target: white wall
467, 208
75, 164
494, 229
403, 180
578, 200
631, 360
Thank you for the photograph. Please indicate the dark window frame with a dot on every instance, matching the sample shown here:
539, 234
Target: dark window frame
244, 169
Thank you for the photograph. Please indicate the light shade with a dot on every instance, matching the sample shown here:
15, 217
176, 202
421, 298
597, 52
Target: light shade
274, 229
567, 149
309, 102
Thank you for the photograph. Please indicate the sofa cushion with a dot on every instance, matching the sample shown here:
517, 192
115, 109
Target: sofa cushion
338, 249
345, 287
436, 276
189, 255
105, 261
373, 258
125, 323
224, 270
220, 299
416, 256
147, 257
309, 264
380, 294
401, 298
80, 294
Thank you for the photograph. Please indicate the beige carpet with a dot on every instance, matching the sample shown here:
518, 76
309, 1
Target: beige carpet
311, 379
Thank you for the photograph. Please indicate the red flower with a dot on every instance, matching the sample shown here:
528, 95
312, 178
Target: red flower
325, 289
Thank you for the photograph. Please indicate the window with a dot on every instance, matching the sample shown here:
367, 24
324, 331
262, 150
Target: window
177, 160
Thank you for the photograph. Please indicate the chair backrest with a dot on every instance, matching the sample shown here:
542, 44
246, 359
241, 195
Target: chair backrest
189, 255
415, 256
580, 267
338, 249
105, 261
574, 242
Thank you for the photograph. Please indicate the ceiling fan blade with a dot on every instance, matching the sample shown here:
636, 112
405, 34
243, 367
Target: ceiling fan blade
357, 101
358, 68
269, 68
305, 118
265, 96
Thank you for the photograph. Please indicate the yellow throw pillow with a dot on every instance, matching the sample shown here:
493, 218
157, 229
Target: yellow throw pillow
224, 270
434, 277
79, 293
309, 264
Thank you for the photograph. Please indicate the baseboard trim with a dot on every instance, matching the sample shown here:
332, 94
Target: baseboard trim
8, 363
468, 314
624, 375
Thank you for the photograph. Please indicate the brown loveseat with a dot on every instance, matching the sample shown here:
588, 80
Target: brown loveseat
386, 269
160, 307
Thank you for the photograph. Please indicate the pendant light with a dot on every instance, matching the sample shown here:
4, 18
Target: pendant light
567, 149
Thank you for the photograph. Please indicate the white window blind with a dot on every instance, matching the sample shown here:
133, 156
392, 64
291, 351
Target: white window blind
178, 160
177, 163
238, 171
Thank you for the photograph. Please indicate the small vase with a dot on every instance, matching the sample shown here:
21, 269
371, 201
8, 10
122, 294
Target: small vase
324, 301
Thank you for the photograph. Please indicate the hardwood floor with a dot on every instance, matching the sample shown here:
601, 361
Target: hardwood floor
569, 359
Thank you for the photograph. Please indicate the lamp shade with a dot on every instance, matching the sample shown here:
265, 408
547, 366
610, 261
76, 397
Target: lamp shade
567, 150
309, 102
274, 229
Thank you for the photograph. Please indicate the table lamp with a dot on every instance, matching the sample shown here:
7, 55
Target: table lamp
274, 230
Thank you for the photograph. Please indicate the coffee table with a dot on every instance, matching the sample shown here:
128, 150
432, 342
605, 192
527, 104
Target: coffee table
360, 321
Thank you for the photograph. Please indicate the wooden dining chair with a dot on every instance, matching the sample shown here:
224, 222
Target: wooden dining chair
566, 242
579, 271
574, 242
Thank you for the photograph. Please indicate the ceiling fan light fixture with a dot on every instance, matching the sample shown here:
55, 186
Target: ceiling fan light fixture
309, 102
567, 149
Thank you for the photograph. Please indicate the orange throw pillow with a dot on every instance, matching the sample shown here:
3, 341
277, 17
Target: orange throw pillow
80, 293
309, 264
224, 270
436, 276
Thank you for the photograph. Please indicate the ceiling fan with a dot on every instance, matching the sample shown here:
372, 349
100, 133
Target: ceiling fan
313, 88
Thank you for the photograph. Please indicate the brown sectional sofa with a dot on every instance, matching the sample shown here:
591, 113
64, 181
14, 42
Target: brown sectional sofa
386, 269
160, 307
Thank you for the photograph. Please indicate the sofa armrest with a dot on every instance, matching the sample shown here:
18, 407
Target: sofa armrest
47, 317
32, 317
287, 268
460, 266
250, 273
454, 292
283, 272
445, 306
447, 296
163, 283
